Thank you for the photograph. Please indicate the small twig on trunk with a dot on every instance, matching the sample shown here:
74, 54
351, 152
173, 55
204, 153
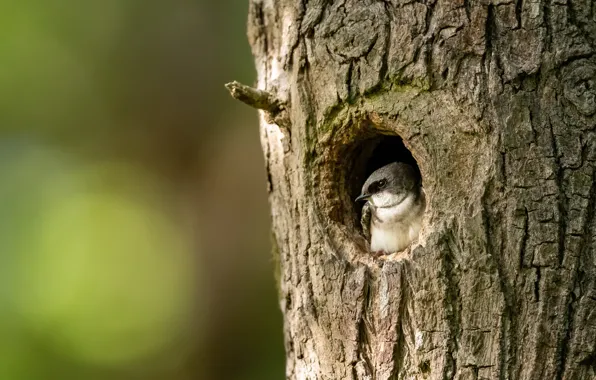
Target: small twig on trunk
255, 98
275, 110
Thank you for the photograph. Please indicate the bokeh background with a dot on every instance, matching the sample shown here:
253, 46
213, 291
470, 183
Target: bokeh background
134, 227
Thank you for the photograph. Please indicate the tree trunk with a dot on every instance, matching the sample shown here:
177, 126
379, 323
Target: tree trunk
496, 102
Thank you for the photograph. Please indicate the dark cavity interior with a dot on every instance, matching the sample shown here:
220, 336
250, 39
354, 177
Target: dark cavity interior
388, 149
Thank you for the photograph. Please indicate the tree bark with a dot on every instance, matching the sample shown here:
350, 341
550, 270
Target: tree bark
496, 101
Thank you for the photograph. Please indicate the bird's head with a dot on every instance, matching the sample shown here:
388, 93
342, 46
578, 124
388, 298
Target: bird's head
390, 185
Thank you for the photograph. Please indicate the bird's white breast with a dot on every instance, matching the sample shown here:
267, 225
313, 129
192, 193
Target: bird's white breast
396, 227
393, 237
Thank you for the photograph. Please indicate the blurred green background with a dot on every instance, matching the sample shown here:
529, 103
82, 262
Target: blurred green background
134, 227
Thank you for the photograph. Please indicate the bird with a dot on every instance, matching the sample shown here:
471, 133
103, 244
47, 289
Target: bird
395, 204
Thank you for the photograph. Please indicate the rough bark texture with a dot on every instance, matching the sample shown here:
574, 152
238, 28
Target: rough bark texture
496, 100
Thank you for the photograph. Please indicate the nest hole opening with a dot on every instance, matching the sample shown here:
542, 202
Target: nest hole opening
371, 154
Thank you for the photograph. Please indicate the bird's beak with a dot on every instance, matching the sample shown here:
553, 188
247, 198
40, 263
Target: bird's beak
362, 197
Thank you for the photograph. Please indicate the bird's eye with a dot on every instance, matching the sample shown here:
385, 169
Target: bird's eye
382, 183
